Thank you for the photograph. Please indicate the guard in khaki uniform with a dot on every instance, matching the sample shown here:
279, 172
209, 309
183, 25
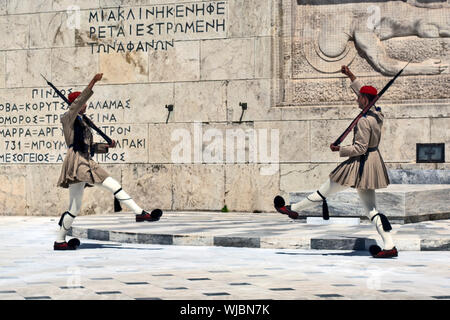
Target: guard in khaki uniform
80, 170
364, 170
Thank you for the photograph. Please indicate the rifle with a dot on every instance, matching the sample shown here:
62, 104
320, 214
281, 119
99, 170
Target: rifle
86, 119
366, 109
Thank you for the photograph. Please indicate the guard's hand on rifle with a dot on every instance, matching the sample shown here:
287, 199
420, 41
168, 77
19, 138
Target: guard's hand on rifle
113, 144
334, 148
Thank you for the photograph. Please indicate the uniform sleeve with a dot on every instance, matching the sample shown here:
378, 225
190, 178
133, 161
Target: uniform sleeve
361, 143
101, 148
356, 85
70, 116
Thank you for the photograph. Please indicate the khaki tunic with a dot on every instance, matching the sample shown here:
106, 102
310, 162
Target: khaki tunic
79, 166
367, 134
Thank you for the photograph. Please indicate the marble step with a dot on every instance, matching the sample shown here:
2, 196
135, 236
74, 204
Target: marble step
254, 230
404, 176
402, 203
342, 221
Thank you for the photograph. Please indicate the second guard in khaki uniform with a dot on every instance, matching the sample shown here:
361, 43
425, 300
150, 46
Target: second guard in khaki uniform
364, 170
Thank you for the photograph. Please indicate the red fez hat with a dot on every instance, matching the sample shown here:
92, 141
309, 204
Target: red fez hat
73, 96
368, 90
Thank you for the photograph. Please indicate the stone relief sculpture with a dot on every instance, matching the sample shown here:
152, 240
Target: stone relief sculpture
332, 36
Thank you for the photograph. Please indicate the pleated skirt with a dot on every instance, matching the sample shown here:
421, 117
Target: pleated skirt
79, 167
373, 175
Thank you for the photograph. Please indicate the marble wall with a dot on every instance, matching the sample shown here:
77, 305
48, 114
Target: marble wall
204, 57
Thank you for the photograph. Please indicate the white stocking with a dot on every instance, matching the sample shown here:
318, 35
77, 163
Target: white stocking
327, 189
368, 199
114, 186
76, 191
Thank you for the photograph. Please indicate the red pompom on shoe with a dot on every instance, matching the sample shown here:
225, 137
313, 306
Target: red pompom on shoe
74, 242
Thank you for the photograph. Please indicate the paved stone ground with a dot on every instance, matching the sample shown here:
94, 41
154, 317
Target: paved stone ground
30, 269
257, 230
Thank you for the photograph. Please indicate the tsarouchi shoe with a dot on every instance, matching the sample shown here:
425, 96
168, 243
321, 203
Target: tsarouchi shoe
378, 253
145, 216
63, 246
280, 206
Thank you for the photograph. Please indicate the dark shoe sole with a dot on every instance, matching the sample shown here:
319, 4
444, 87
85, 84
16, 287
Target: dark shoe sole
143, 219
64, 248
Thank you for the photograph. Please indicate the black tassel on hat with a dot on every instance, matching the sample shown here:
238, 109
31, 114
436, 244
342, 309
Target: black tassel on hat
325, 212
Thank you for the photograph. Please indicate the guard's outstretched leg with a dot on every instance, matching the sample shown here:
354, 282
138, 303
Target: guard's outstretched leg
141, 215
326, 190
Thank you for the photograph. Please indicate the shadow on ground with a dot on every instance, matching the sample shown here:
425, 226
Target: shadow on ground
349, 254
111, 246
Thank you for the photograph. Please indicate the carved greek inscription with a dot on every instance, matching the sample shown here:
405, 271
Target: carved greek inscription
141, 29
31, 131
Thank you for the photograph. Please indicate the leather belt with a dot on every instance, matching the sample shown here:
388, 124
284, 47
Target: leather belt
363, 159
